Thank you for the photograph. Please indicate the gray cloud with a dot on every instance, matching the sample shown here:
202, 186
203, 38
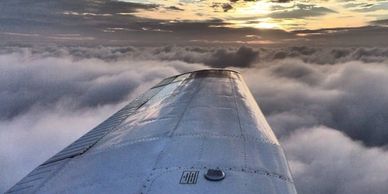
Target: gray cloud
367, 36
26, 86
64, 15
382, 5
329, 56
32, 78
214, 57
28, 140
324, 161
226, 7
175, 8
380, 22
349, 97
301, 11
217, 56
243, 57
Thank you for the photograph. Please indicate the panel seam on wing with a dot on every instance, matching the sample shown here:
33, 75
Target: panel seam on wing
171, 133
239, 122
207, 135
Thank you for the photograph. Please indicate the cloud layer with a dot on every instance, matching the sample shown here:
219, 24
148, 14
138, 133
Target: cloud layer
324, 161
349, 97
329, 107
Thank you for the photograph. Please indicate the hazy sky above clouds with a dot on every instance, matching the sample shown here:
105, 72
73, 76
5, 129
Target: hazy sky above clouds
137, 22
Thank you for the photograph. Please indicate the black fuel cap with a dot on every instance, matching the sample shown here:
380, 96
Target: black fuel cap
214, 175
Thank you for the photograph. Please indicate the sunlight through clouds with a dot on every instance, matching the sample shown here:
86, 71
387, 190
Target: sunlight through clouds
283, 14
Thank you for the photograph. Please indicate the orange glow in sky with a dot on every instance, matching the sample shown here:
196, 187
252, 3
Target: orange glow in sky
292, 15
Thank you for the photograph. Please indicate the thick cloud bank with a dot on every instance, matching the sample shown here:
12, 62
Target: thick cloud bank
329, 107
350, 97
324, 161
29, 80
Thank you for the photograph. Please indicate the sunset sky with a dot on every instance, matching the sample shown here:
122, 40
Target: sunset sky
196, 22
282, 14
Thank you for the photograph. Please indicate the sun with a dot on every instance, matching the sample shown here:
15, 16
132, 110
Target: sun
267, 25
253, 14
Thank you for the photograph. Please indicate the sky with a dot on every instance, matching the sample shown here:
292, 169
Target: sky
257, 22
318, 70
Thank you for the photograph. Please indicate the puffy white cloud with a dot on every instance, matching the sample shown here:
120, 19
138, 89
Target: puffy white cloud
30, 80
29, 139
349, 97
324, 161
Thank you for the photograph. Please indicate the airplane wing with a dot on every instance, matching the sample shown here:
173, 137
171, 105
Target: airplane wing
198, 132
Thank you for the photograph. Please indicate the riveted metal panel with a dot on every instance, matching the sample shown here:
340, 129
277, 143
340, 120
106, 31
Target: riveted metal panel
37, 177
84, 143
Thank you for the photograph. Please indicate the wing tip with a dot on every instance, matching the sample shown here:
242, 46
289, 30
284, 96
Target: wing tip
212, 72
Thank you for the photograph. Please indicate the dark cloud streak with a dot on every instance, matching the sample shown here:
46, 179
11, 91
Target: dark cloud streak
301, 11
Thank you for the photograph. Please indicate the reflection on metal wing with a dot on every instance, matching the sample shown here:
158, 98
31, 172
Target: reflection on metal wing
199, 132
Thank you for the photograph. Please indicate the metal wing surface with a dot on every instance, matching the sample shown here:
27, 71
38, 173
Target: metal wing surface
198, 132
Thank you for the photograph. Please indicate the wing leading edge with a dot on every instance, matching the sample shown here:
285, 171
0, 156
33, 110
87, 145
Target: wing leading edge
198, 132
